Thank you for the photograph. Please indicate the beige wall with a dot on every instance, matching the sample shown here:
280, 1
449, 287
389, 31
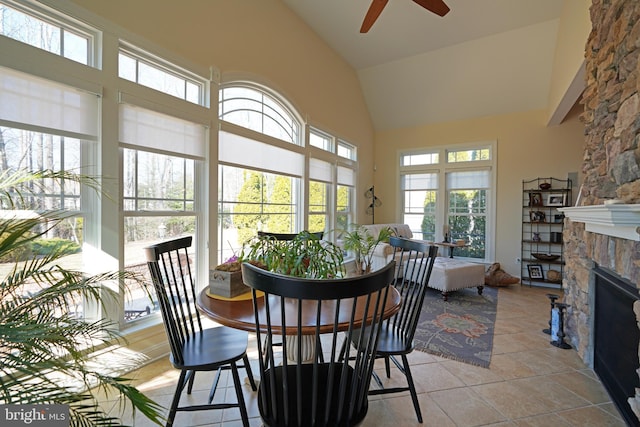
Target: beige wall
567, 79
262, 39
527, 149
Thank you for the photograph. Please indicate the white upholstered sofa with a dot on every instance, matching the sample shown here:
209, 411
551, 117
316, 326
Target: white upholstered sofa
384, 253
448, 274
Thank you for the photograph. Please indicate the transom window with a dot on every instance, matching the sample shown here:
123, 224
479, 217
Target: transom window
420, 159
138, 66
321, 140
471, 155
346, 150
63, 37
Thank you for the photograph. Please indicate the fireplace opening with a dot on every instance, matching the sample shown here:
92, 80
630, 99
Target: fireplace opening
616, 339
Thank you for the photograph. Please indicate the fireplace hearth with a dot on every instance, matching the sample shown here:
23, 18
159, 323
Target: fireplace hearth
616, 339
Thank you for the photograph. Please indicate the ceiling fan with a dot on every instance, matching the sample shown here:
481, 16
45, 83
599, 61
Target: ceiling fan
436, 6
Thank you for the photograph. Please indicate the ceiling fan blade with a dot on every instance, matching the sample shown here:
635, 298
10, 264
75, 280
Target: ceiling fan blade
372, 14
436, 6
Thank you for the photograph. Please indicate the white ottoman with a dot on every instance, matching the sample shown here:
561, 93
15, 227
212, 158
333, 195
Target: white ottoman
451, 274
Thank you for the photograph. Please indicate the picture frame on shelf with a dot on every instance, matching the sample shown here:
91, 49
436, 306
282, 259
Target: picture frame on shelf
556, 199
535, 271
536, 216
535, 199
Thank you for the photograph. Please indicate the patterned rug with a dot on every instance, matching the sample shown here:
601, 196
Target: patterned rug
460, 328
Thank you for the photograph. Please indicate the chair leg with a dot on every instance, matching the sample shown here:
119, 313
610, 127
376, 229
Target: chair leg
377, 379
192, 378
176, 398
387, 366
343, 350
247, 368
236, 382
214, 385
412, 387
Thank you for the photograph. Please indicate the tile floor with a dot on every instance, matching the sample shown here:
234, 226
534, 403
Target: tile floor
529, 382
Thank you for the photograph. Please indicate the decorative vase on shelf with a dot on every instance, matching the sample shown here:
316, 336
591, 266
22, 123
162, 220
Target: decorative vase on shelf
536, 237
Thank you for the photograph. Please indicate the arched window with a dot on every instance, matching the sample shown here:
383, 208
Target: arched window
260, 178
256, 109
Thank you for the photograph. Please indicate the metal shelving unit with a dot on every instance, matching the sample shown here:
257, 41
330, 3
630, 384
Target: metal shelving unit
542, 226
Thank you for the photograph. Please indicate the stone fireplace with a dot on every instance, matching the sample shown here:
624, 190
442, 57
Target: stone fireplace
602, 232
616, 338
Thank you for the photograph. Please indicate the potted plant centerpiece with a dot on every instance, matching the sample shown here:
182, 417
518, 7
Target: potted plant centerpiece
304, 256
362, 244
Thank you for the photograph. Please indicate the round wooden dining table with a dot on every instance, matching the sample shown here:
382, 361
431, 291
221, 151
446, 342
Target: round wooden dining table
238, 312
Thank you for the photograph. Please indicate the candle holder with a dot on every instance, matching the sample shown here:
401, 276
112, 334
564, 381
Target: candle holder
552, 298
557, 326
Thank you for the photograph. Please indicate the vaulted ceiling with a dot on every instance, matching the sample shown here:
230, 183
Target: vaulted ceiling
485, 57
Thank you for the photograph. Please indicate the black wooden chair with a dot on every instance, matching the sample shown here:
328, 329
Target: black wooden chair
293, 392
288, 237
415, 260
194, 348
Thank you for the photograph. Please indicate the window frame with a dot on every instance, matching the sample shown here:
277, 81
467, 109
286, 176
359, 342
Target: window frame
441, 168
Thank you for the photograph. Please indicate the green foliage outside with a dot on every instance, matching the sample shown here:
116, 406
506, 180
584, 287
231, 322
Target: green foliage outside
343, 210
280, 217
466, 220
428, 225
265, 202
248, 212
318, 203
43, 247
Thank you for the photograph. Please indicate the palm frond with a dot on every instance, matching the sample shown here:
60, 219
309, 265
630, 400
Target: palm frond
17, 185
44, 345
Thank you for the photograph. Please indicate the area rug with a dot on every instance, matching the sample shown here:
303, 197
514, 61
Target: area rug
460, 328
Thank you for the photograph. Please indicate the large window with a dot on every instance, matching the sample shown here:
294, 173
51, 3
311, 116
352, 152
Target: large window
262, 167
33, 140
467, 210
447, 194
420, 194
159, 176
270, 178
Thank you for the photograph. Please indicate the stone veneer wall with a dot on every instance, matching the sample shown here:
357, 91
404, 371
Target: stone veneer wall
611, 167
